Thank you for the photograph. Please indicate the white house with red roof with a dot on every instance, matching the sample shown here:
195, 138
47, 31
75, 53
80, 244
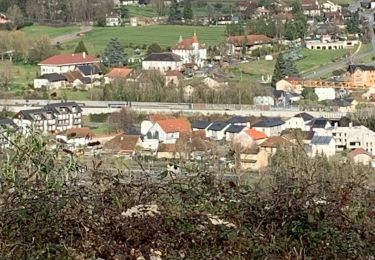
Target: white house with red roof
66, 62
169, 130
191, 51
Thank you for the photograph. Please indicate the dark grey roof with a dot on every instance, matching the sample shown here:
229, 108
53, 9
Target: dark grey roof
339, 102
235, 129
6, 122
132, 131
269, 122
163, 56
278, 93
53, 77
318, 123
218, 126
88, 70
321, 140
55, 107
353, 67
30, 114
305, 116
200, 124
238, 120
86, 80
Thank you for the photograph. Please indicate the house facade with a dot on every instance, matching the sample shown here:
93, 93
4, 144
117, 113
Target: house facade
191, 51
52, 118
322, 145
361, 75
299, 121
163, 62
169, 130
65, 62
50, 81
270, 126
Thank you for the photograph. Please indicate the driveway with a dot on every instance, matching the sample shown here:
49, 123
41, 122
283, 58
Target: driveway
72, 36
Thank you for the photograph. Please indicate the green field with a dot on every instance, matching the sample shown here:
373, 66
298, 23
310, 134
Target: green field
36, 31
141, 11
315, 58
165, 35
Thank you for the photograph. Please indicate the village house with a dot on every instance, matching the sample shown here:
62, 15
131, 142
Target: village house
216, 131
75, 137
191, 51
118, 74
360, 155
173, 78
361, 75
65, 62
325, 93
297, 136
251, 41
322, 145
239, 121
290, 84
168, 130
343, 105
163, 62
232, 131
91, 71
249, 137
52, 118
112, 19
318, 125
123, 144
327, 42
299, 121
167, 151
310, 8
264, 101
50, 81
270, 126
254, 159
214, 83
201, 125
271, 144
76, 80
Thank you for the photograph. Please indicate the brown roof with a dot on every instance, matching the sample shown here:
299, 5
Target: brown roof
157, 117
67, 59
119, 73
249, 39
174, 125
77, 133
73, 75
275, 141
293, 79
122, 143
173, 73
294, 134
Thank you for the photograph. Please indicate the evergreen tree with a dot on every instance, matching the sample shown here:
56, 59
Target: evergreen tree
352, 25
81, 48
114, 54
283, 68
188, 11
174, 12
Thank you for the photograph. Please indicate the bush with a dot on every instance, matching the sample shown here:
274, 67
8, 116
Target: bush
99, 118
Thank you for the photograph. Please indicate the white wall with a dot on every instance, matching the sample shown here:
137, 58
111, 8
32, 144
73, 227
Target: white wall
325, 93
162, 66
296, 123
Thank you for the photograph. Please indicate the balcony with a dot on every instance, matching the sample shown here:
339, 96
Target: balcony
77, 122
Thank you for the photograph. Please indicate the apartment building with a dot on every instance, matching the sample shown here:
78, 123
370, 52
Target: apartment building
52, 118
353, 137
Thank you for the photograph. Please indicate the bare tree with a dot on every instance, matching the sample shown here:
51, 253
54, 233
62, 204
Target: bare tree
6, 75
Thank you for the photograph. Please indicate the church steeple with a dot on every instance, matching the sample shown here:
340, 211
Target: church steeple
180, 39
195, 38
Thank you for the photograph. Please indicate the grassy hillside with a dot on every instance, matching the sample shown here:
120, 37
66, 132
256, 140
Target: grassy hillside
36, 31
164, 35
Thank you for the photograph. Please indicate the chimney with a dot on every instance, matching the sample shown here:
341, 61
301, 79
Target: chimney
84, 55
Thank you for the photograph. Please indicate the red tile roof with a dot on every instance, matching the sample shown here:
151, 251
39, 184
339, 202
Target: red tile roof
187, 43
119, 73
359, 151
256, 135
67, 59
122, 143
175, 125
293, 79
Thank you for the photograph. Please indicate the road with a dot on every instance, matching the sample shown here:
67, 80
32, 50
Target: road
98, 107
324, 70
72, 36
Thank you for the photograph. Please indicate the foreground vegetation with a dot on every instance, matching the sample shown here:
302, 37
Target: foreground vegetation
58, 208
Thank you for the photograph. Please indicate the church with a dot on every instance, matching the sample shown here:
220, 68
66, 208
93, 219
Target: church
191, 51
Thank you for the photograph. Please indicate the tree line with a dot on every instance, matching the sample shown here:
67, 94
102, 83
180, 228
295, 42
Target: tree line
62, 10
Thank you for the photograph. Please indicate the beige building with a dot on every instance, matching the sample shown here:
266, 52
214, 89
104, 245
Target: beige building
290, 84
361, 156
254, 159
361, 75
